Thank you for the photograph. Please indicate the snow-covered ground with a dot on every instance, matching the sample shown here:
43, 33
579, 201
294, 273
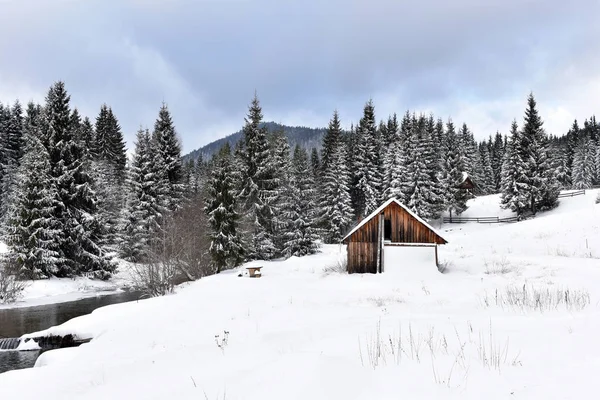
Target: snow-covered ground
514, 316
58, 290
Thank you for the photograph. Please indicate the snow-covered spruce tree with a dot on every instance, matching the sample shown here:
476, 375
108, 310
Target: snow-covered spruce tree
33, 122
300, 209
335, 204
439, 139
542, 187
563, 176
390, 136
488, 184
513, 184
497, 158
33, 233
169, 149
583, 163
77, 210
367, 163
110, 203
397, 173
282, 168
392, 130
107, 159
331, 140
226, 246
109, 147
431, 156
420, 195
473, 164
468, 153
12, 148
451, 175
87, 137
145, 207
315, 164
258, 186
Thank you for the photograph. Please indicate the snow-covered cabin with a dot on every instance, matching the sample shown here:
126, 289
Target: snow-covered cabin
382, 240
466, 183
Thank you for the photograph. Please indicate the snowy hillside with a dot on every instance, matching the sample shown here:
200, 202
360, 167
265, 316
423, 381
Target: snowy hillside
515, 315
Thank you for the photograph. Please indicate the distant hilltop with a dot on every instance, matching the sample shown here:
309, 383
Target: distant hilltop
308, 138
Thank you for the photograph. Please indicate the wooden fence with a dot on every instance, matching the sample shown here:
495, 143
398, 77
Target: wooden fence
480, 220
498, 220
573, 193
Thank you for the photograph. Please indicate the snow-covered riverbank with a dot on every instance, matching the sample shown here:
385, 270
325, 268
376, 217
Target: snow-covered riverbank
60, 290
515, 315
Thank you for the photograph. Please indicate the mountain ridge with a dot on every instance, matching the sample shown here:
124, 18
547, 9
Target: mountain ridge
306, 137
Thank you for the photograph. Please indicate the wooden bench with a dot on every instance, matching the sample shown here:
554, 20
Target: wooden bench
254, 272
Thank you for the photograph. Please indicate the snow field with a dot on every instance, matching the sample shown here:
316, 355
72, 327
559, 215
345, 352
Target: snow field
305, 330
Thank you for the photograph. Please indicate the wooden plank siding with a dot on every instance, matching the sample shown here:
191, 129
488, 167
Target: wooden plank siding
407, 229
362, 248
364, 244
362, 257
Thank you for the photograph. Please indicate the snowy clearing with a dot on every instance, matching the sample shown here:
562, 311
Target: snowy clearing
515, 315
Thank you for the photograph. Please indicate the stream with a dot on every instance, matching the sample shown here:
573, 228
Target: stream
15, 322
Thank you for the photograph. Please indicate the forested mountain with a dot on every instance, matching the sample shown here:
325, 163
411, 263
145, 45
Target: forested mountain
307, 138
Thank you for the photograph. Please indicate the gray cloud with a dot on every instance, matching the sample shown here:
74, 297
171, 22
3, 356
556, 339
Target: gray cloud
475, 61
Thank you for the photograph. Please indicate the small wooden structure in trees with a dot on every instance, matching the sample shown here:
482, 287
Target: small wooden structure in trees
392, 224
467, 183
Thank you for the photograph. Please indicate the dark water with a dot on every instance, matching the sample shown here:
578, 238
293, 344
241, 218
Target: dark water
19, 321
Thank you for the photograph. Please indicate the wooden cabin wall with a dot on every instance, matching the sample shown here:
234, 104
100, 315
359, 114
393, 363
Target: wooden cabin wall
407, 229
362, 248
362, 257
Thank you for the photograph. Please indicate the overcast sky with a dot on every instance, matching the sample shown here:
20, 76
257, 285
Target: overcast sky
473, 60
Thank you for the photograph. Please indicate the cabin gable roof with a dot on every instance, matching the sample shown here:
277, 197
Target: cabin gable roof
381, 208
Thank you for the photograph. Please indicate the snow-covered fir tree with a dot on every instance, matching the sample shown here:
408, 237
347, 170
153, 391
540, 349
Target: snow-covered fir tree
146, 201
169, 149
497, 158
367, 166
396, 172
584, 163
453, 172
335, 204
315, 164
109, 145
563, 175
488, 183
282, 170
542, 187
33, 233
77, 210
300, 208
513, 184
258, 185
431, 157
421, 184
331, 140
12, 148
226, 247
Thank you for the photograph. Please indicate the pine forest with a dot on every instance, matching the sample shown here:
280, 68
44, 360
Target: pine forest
73, 202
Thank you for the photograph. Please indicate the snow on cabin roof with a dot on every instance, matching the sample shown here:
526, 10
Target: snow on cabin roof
464, 176
380, 209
